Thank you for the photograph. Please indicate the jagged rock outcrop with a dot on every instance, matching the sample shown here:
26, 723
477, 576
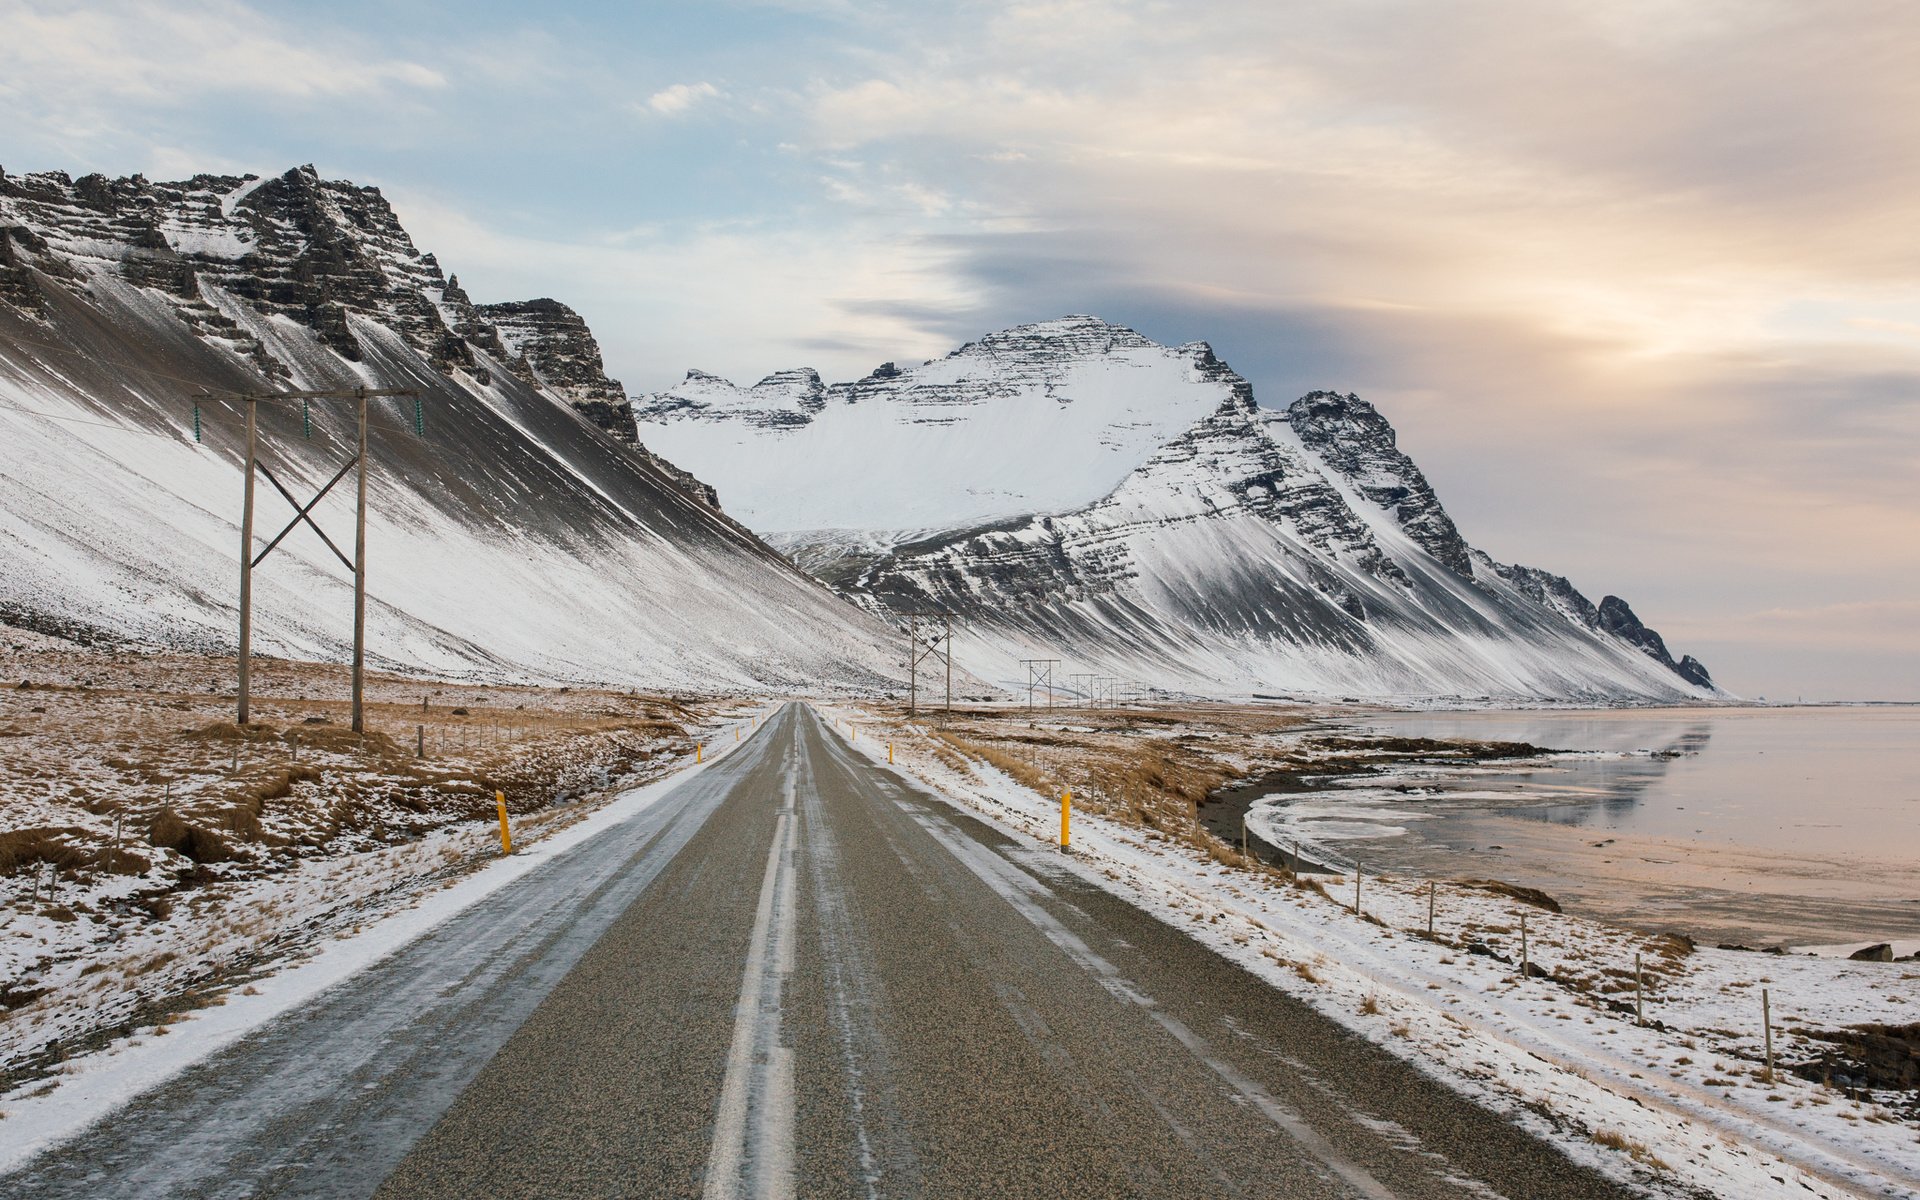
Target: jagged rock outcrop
549, 346
1617, 618
1353, 438
316, 252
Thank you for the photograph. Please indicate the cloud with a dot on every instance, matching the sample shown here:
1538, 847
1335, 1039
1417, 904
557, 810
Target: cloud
1635, 281
167, 54
672, 101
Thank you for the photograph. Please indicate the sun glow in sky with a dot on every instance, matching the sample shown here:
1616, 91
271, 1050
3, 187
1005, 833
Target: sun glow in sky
1637, 281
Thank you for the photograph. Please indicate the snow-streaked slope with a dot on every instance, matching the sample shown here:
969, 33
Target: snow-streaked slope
1037, 418
514, 538
1236, 561
1075, 491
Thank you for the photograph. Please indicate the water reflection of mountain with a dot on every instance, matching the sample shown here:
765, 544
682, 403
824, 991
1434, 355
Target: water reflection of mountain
1619, 784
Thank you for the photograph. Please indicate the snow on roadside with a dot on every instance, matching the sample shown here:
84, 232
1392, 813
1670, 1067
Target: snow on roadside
388, 903
1677, 1108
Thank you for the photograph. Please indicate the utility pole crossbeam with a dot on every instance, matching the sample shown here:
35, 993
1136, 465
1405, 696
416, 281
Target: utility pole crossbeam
941, 648
303, 514
1039, 674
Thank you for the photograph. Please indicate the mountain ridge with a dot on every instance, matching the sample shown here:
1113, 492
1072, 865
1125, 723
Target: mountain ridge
522, 533
1306, 545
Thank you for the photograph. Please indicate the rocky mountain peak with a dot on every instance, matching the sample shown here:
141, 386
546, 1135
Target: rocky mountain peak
1356, 442
321, 253
1041, 342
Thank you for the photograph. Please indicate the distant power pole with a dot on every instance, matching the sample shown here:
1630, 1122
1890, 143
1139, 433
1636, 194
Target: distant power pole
917, 653
302, 513
1039, 674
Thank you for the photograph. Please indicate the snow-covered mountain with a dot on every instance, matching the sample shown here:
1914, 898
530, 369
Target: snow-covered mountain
1038, 418
524, 532
1245, 551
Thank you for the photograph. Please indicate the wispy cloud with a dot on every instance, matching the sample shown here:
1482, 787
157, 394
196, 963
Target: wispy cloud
672, 101
166, 53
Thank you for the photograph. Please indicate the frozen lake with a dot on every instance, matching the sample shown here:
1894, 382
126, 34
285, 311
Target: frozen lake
1795, 826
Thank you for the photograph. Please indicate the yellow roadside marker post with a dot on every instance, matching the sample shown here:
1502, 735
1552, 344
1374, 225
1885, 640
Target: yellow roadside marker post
1066, 819
699, 751
506, 836
889, 753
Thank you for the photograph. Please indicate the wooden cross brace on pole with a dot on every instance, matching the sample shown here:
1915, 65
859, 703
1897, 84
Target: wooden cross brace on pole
303, 514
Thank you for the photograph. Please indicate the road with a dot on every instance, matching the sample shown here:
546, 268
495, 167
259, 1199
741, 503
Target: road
799, 974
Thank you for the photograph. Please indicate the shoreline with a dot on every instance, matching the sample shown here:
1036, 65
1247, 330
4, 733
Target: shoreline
1725, 895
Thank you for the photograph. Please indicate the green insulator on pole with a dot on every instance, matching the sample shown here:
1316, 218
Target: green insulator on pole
419, 416
196, 420
306, 420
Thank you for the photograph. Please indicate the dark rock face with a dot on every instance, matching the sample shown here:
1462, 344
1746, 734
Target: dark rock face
1616, 617
322, 253
1555, 591
1351, 437
548, 345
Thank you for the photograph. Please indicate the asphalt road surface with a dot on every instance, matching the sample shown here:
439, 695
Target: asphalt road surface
799, 975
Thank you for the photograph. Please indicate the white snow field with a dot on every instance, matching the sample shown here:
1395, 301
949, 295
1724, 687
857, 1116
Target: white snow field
1038, 418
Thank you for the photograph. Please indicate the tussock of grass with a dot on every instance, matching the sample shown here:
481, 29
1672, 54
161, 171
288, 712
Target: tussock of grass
1613, 1140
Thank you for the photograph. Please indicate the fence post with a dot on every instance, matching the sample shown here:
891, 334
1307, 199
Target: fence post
1357, 872
1523, 945
1430, 890
1766, 1024
1639, 992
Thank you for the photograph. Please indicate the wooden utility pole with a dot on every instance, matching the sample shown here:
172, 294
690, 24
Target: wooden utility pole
913, 664
948, 618
246, 566
302, 514
1039, 673
360, 573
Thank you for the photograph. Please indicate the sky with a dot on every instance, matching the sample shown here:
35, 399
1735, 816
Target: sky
1637, 281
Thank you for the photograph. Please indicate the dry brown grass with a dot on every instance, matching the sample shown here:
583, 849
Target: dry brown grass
91, 737
1613, 1140
1140, 765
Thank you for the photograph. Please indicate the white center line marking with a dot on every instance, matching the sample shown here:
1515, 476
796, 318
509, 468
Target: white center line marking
752, 1152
